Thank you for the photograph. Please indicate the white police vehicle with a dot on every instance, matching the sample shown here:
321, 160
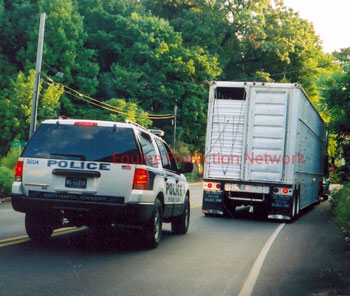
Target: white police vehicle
97, 173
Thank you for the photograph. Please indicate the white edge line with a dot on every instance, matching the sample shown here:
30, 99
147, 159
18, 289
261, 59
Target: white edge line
250, 281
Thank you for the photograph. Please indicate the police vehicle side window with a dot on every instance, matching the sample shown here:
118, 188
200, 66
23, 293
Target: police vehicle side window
163, 155
149, 153
171, 158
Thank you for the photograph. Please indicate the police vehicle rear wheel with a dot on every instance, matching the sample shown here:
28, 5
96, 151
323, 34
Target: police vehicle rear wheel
38, 226
180, 224
153, 230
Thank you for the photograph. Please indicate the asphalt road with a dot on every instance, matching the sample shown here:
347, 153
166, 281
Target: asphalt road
218, 256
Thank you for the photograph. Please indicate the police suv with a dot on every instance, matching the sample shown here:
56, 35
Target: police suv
97, 173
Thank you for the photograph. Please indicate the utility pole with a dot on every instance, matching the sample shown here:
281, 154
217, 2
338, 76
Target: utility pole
36, 89
174, 140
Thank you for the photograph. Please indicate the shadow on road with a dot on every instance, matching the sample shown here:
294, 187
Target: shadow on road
108, 241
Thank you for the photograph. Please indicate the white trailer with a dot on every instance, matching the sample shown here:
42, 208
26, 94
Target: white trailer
265, 147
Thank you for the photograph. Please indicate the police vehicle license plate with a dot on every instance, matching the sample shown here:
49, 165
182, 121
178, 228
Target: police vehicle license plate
73, 182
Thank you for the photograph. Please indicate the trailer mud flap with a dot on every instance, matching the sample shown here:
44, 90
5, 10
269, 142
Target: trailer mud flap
280, 207
213, 202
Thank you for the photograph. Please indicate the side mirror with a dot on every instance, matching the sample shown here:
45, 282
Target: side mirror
186, 167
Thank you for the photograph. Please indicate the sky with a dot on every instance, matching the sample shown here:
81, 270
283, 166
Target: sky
331, 20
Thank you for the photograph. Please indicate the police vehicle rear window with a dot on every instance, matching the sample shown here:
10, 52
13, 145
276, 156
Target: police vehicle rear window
91, 143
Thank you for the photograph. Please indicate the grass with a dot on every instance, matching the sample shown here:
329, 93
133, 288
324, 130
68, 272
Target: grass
342, 208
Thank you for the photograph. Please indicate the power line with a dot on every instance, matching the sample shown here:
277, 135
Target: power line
105, 105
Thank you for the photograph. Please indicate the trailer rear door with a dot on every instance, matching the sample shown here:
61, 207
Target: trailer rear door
266, 135
226, 133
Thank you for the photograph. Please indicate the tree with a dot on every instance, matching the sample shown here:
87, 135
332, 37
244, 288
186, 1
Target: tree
335, 100
64, 49
147, 62
16, 108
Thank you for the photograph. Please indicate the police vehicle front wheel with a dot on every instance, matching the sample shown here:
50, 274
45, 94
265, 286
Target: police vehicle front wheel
153, 230
181, 223
38, 226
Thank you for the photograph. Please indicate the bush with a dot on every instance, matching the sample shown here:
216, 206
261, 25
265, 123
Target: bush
342, 208
8, 164
6, 180
10, 160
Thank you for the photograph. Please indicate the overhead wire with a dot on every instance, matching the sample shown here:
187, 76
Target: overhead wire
98, 101
105, 105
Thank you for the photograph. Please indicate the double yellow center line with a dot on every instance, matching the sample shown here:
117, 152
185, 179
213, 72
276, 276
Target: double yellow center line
24, 238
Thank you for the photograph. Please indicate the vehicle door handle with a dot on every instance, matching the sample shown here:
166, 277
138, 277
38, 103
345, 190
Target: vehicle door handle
177, 181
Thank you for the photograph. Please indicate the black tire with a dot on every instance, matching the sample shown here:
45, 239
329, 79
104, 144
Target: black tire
325, 197
260, 212
180, 224
297, 213
297, 206
38, 226
153, 230
292, 210
229, 211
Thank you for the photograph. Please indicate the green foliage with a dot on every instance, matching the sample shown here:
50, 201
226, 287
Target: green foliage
342, 208
16, 104
129, 110
335, 92
9, 161
148, 56
6, 180
7, 165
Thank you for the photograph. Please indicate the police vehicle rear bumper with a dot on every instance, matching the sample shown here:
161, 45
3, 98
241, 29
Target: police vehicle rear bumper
134, 214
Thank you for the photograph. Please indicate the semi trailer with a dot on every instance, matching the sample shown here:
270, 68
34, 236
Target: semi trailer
266, 147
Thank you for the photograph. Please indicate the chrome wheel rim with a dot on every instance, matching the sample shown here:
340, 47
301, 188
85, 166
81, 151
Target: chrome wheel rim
187, 219
156, 225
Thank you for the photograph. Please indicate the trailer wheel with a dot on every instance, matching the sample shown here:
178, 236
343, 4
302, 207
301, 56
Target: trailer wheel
260, 212
292, 210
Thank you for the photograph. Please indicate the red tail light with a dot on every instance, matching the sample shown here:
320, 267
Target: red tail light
210, 185
19, 171
141, 179
85, 123
218, 186
285, 190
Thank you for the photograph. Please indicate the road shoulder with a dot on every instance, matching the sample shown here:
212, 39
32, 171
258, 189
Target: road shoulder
310, 257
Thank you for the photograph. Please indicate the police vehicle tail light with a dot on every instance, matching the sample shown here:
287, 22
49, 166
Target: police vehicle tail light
85, 123
19, 171
141, 179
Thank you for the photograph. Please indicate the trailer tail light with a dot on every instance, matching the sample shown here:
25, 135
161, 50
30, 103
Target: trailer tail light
19, 171
213, 186
86, 123
282, 191
141, 179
